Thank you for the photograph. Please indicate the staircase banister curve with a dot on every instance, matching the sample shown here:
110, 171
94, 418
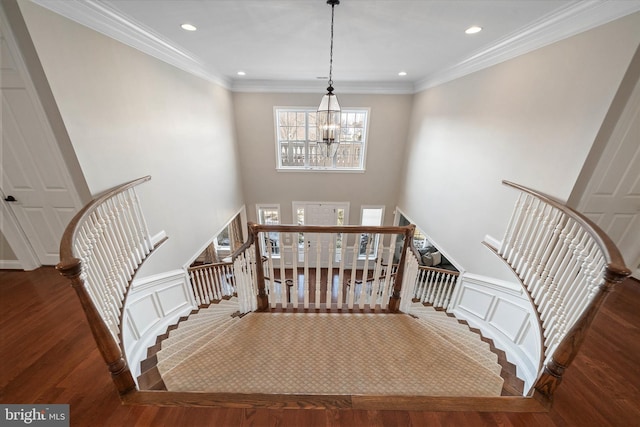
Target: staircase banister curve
547, 273
66, 243
615, 261
119, 230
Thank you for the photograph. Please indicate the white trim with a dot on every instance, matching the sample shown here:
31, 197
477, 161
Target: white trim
488, 294
345, 87
139, 336
262, 241
308, 110
576, 17
102, 18
158, 237
10, 264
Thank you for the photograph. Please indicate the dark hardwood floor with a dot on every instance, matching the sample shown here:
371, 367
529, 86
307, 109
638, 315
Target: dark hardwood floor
48, 355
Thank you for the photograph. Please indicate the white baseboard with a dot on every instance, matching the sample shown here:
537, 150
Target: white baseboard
10, 264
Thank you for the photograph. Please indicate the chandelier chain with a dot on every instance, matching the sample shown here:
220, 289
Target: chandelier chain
331, 49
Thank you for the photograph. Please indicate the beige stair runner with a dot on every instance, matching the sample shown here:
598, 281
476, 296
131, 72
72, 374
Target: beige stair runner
325, 353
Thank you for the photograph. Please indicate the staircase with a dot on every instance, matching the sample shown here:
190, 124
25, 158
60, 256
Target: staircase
566, 266
189, 342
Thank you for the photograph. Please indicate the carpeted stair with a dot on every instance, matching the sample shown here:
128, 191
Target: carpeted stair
216, 350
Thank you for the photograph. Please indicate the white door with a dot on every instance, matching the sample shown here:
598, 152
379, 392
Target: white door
37, 192
612, 196
320, 214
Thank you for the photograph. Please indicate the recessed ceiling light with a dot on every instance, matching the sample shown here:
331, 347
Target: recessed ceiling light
188, 27
472, 30
402, 73
242, 73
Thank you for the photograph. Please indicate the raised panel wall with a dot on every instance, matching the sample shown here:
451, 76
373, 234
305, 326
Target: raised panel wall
154, 303
502, 311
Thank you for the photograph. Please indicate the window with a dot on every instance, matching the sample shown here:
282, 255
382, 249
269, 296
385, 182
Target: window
419, 239
370, 216
270, 215
296, 145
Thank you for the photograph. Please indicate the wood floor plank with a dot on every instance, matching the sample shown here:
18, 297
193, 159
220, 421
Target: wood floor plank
601, 388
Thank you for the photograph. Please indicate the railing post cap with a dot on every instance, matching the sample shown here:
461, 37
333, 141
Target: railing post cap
70, 267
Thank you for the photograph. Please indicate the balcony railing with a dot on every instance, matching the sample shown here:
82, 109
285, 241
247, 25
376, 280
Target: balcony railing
567, 265
100, 252
565, 262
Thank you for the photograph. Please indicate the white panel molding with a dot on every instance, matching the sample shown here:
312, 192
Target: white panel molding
471, 300
154, 303
506, 316
509, 318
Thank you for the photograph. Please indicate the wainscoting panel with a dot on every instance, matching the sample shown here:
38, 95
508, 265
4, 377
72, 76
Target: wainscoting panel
154, 303
476, 301
502, 311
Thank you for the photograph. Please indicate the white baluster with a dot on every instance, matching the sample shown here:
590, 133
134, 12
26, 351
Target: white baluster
331, 249
283, 273
273, 297
343, 253
194, 287
377, 274
506, 245
294, 288
388, 283
362, 300
318, 269
352, 280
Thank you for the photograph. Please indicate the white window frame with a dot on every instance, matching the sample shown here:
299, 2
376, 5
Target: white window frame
333, 167
272, 206
374, 245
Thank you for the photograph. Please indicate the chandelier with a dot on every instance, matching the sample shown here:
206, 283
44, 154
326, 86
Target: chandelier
328, 117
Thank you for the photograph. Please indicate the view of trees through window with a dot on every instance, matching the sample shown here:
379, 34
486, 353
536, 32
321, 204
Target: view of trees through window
297, 147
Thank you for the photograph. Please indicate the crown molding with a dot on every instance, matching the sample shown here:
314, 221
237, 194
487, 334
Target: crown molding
576, 17
565, 22
98, 16
305, 86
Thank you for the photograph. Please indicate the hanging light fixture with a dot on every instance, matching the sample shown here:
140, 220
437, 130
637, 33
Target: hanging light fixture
328, 117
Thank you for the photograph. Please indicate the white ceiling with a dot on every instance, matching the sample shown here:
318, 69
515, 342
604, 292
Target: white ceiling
284, 44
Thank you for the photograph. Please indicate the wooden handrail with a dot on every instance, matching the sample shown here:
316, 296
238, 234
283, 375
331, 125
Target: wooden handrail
439, 270
260, 276
123, 245
205, 266
611, 252
518, 255
66, 244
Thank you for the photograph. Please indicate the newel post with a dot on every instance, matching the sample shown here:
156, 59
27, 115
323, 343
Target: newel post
394, 301
108, 347
551, 376
263, 298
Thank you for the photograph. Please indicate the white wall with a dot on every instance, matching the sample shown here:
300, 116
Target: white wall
129, 115
388, 124
531, 120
